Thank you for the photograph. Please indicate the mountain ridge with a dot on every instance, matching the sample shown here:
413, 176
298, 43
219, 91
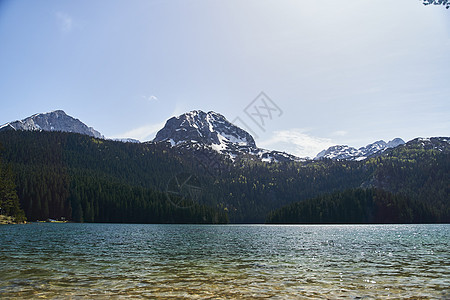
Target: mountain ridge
344, 152
201, 131
56, 120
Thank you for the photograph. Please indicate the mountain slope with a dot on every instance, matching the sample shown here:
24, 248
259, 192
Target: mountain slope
410, 184
56, 120
441, 144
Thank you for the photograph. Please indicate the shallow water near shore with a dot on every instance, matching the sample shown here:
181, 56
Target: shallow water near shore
224, 262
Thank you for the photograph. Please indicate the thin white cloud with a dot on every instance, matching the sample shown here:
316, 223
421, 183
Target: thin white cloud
150, 98
147, 132
340, 133
143, 133
296, 141
65, 22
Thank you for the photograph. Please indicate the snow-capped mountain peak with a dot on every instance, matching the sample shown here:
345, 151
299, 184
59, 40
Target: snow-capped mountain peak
350, 153
199, 131
208, 128
56, 120
337, 152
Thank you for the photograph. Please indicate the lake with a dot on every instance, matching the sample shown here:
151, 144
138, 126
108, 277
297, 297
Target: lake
224, 261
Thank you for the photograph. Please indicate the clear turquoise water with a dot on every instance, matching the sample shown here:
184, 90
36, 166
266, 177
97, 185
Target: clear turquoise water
224, 262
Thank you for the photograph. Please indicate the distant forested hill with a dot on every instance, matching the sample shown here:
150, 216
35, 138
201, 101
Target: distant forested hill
86, 179
410, 184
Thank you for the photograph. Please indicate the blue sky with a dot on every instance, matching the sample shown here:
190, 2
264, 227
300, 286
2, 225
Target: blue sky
340, 72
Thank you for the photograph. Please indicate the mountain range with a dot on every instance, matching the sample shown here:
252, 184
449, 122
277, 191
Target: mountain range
201, 131
349, 153
200, 168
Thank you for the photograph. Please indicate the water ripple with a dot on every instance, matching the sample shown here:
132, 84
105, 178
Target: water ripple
224, 262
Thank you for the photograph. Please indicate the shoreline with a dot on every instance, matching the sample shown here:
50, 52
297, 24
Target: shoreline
8, 220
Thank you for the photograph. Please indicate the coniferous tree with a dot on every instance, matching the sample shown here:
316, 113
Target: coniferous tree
9, 201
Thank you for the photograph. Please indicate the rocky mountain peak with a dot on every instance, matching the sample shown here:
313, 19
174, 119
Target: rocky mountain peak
207, 128
199, 131
395, 142
56, 120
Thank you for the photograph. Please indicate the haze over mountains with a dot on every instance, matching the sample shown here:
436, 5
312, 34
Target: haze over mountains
200, 130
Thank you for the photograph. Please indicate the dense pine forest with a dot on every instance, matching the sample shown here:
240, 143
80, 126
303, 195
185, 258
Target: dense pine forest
83, 179
9, 201
357, 206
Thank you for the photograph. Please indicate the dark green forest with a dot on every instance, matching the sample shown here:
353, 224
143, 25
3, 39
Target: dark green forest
357, 206
9, 201
84, 179
78, 178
